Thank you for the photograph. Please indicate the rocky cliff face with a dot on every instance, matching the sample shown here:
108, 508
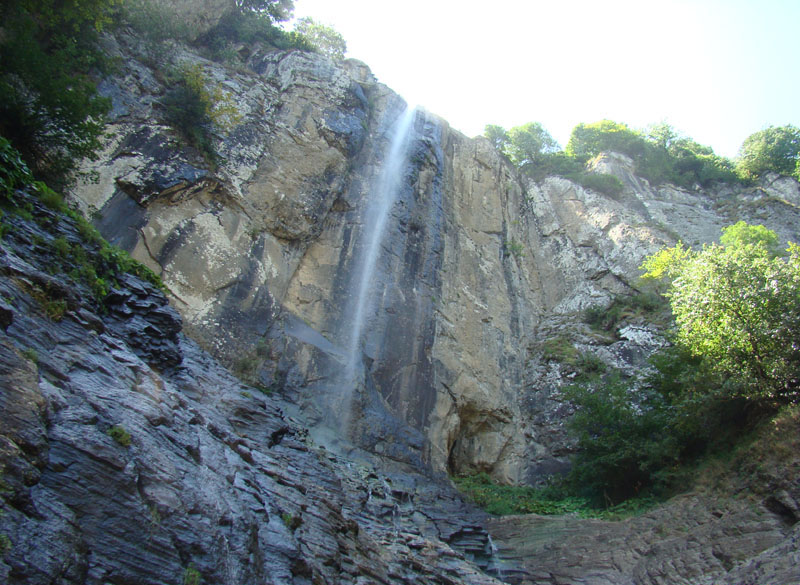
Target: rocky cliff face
129, 455
477, 266
739, 525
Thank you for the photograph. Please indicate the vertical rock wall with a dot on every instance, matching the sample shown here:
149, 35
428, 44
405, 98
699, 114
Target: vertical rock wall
478, 268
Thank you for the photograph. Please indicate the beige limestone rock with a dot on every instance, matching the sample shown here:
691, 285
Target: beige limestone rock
481, 267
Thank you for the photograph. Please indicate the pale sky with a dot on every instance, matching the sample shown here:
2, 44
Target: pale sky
717, 70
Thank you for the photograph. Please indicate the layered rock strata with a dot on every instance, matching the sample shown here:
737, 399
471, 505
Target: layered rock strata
129, 455
478, 268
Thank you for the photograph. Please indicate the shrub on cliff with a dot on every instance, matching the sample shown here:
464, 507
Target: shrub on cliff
49, 106
775, 149
736, 358
589, 140
196, 105
322, 37
737, 305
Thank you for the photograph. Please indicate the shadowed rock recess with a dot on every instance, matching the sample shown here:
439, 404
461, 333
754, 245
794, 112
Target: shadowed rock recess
132, 456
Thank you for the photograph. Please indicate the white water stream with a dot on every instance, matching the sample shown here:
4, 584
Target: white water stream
361, 296
381, 200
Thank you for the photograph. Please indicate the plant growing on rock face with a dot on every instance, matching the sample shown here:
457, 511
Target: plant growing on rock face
53, 306
120, 435
323, 38
30, 354
623, 308
515, 248
196, 105
737, 305
49, 106
191, 576
600, 182
292, 522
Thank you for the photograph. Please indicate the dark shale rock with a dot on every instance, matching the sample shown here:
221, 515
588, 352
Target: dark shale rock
129, 455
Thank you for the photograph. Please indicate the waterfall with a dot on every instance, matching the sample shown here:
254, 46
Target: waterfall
374, 222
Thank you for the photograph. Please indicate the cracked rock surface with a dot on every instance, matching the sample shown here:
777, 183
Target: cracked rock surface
480, 265
129, 455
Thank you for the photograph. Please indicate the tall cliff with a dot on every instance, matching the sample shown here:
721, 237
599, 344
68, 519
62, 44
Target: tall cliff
381, 346
129, 455
476, 268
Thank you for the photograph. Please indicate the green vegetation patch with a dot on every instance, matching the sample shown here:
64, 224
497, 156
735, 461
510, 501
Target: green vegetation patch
660, 155
291, 521
562, 350
120, 435
646, 306
734, 364
503, 500
191, 576
195, 106
601, 182
90, 260
49, 105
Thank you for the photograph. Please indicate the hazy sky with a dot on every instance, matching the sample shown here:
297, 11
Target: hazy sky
717, 70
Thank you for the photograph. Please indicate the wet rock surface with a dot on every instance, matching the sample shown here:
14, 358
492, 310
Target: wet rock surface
479, 267
129, 455
693, 539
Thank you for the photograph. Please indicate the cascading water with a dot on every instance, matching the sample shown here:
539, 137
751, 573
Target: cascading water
382, 198
374, 222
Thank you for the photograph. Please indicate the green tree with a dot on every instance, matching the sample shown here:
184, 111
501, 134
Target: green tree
662, 135
323, 38
49, 106
776, 149
737, 306
528, 144
588, 140
625, 435
742, 234
498, 136
276, 10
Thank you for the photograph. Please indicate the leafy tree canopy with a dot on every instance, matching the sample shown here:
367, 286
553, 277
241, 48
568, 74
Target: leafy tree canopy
323, 38
49, 106
588, 140
736, 358
775, 149
276, 10
737, 305
498, 136
742, 234
529, 143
